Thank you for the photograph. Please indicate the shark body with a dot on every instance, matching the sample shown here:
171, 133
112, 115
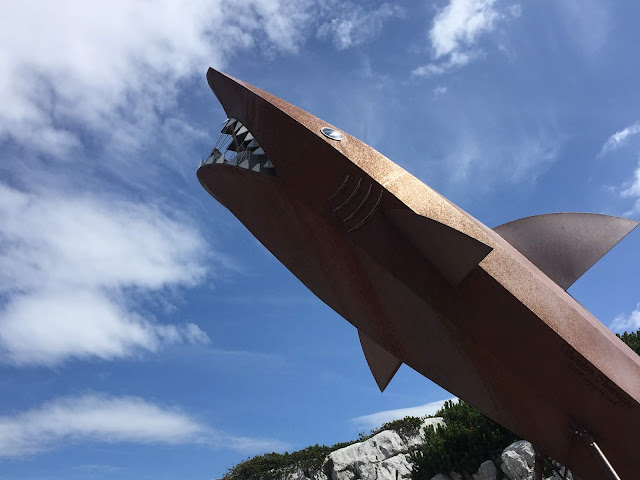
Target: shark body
482, 312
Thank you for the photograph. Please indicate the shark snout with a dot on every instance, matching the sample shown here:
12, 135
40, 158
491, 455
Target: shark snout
238, 147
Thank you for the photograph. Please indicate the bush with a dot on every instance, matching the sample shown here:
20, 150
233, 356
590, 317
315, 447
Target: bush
468, 439
405, 427
278, 465
631, 339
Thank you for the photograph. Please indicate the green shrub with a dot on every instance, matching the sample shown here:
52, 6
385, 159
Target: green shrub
631, 339
405, 427
277, 465
468, 439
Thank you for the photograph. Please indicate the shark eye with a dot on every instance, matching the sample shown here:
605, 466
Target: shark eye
238, 147
331, 133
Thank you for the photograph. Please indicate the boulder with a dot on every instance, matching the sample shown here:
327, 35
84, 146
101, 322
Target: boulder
525, 450
487, 471
299, 475
396, 467
515, 466
381, 457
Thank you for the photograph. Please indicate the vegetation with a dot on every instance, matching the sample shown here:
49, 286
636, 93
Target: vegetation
405, 427
468, 439
631, 339
276, 466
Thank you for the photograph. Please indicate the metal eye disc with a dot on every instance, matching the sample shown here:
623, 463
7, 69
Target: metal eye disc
331, 133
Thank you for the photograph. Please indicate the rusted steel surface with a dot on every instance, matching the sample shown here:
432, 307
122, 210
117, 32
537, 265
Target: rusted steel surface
428, 285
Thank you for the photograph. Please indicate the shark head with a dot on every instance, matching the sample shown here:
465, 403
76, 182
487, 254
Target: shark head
268, 144
305, 189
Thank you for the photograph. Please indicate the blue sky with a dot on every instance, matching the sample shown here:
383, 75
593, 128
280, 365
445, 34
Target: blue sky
144, 333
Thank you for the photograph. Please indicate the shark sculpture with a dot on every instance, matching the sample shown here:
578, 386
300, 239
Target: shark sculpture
482, 312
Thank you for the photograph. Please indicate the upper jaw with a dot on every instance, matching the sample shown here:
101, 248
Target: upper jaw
237, 147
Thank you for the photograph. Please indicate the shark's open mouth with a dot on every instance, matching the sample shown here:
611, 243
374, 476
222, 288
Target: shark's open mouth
238, 147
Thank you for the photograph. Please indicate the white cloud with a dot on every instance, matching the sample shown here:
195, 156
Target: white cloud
515, 10
521, 156
618, 139
456, 59
440, 90
629, 189
633, 188
48, 327
353, 25
101, 418
66, 264
626, 323
80, 80
460, 23
375, 420
113, 67
455, 31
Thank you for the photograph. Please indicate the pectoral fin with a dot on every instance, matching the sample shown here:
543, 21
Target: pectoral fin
452, 252
565, 245
383, 364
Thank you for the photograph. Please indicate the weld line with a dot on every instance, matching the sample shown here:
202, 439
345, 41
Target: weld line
340, 189
368, 217
350, 197
366, 197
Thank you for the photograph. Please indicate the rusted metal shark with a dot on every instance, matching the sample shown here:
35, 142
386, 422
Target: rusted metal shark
482, 312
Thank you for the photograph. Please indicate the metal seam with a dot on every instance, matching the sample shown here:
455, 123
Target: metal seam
350, 197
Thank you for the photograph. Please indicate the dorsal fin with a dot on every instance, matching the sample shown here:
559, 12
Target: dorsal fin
565, 245
383, 365
453, 253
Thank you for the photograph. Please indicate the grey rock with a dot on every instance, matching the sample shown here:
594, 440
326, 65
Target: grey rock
382, 457
487, 471
515, 466
525, 450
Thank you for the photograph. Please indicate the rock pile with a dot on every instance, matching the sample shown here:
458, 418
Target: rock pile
385, 457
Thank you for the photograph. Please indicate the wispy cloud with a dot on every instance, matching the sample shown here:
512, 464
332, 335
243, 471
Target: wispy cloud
631, 188
520, 156
113, 68
107, 419
375, 420
456, 59
619, 138
95, 418
459, 24
96, 87
351, 24
66, 264
626, 322
440, 90
455, 31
